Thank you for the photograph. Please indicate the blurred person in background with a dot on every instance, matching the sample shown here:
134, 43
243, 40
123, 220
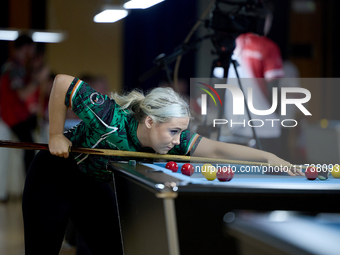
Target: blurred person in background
37, 102
17, 85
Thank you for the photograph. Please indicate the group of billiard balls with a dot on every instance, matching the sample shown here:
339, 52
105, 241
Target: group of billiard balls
312, 173
223, 174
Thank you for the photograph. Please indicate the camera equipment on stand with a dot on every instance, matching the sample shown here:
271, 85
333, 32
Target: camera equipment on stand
236, 17
229, 19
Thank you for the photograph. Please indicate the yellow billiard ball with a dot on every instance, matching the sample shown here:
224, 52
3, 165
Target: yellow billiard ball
335, 171
209, 172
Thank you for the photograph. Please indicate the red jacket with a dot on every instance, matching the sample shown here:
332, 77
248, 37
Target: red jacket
13, 109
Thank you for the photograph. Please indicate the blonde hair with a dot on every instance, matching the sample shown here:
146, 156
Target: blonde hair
161, 104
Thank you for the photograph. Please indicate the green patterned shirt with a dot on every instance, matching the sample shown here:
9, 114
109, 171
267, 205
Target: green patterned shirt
106, 126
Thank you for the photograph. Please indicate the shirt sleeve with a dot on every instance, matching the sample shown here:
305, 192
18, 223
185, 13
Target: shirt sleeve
188, 143
94, 109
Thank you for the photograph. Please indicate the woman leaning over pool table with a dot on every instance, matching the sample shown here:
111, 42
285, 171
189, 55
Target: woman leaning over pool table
62, 185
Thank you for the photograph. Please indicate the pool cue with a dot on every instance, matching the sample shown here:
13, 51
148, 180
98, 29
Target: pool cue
132, 154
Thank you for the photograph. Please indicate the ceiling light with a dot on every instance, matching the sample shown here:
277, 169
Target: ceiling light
141, 4
48, 37
37, 36
110, 14
8, 35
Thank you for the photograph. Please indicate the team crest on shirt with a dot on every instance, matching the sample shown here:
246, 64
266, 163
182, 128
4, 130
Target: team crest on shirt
96, 98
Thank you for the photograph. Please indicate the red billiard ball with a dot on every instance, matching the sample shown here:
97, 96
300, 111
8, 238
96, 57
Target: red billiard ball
224, 174
187, 169
172, 165
311, 173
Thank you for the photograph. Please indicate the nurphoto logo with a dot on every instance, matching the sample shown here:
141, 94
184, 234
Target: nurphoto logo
239, 103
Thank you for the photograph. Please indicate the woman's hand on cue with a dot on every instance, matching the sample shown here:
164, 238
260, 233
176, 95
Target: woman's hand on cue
59, 145
286, 166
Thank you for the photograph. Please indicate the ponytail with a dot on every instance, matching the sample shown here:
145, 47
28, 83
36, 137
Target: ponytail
160, 104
